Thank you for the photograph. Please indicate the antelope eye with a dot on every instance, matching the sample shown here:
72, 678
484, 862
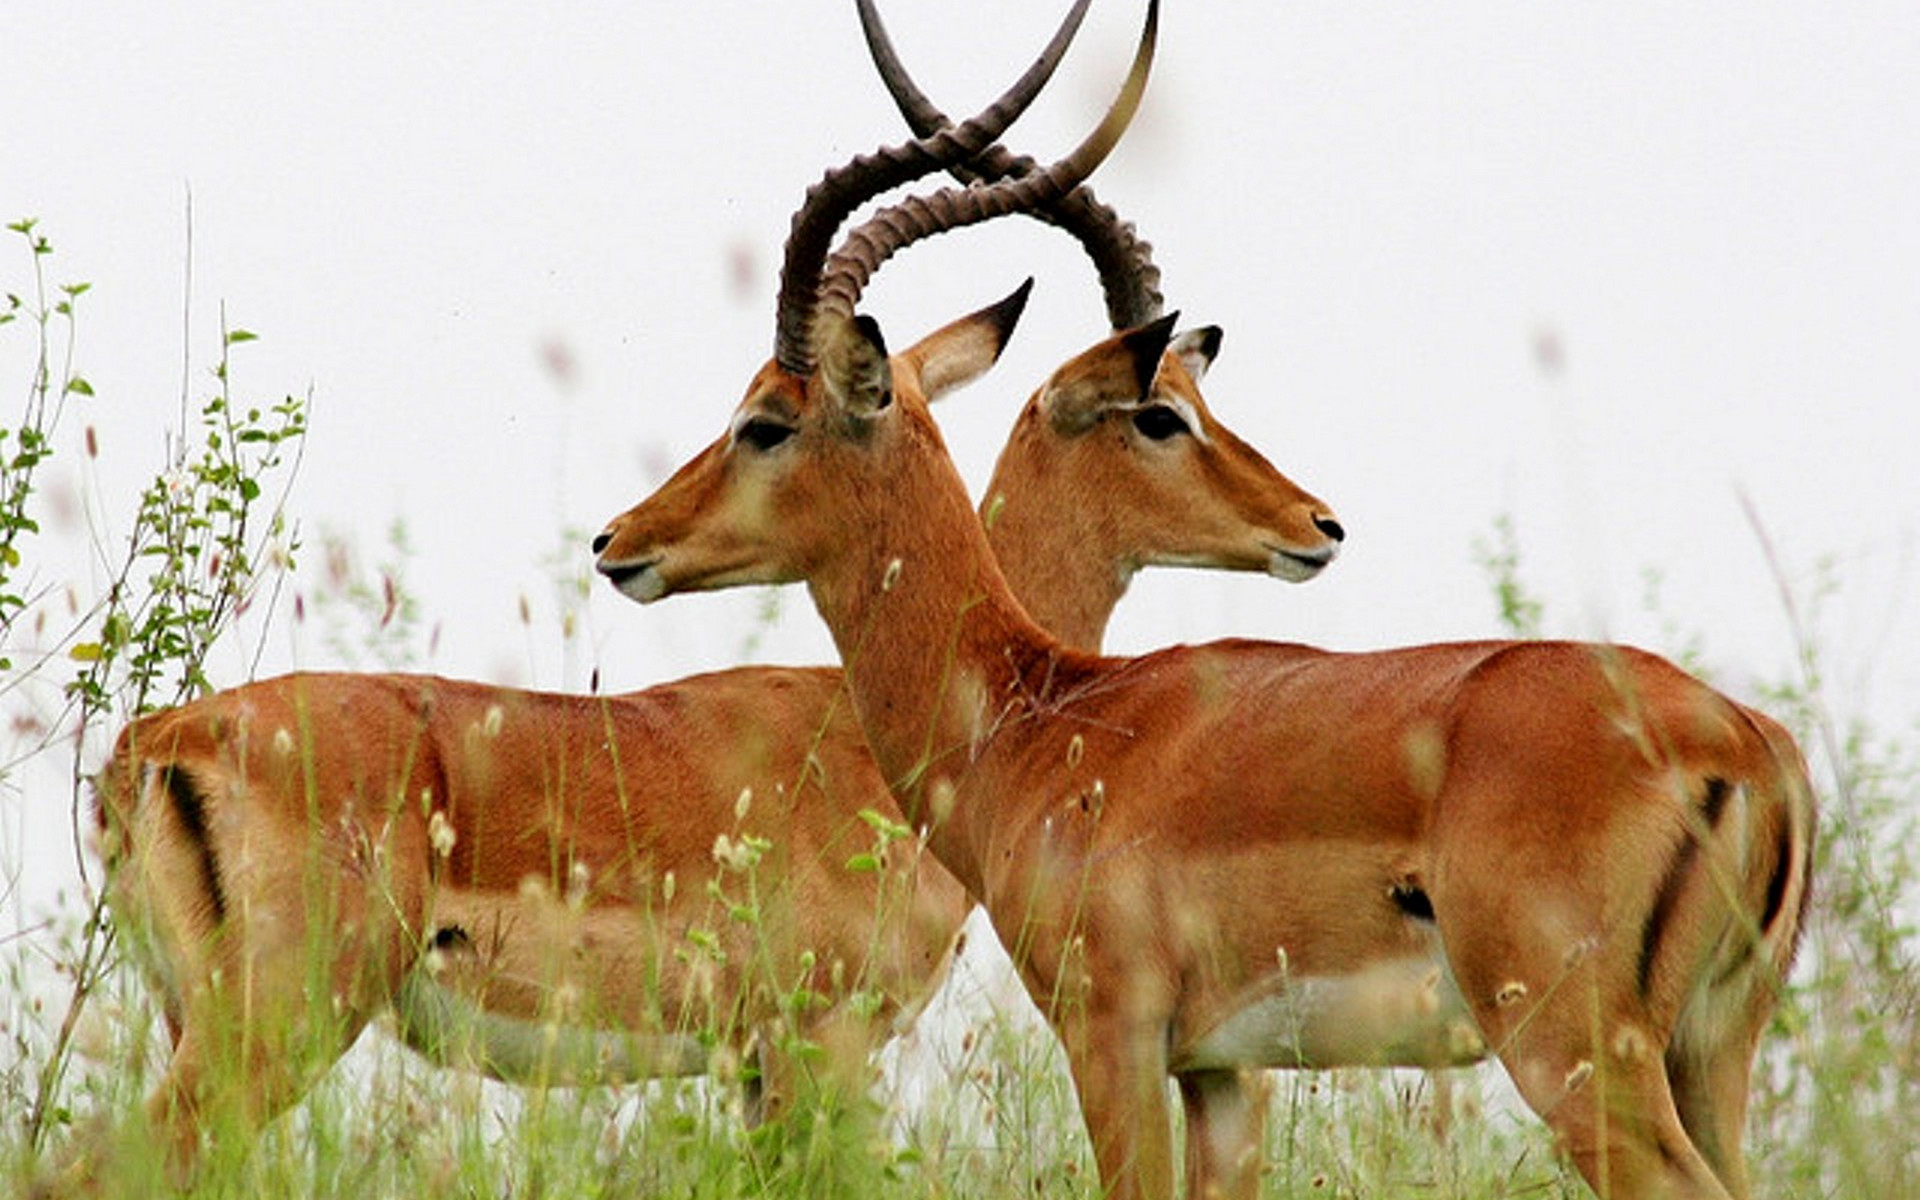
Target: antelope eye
1159, 422
763, 434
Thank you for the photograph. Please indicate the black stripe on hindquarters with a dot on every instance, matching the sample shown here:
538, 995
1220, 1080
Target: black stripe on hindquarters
1772, 907
1783, 865
191, 806
1712, 805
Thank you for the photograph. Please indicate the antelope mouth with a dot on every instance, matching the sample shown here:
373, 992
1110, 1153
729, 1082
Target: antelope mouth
639, 580
1298, 566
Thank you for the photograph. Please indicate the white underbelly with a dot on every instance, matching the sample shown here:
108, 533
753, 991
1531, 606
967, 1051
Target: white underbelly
450, 1028
1402, 1013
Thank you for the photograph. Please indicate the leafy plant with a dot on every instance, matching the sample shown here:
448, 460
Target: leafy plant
1519, 611
194, 535
25, 448
204, 540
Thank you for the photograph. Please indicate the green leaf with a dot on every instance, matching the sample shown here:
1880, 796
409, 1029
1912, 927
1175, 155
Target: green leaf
85, 652
865, 864
884, 825
236, 336
79, 386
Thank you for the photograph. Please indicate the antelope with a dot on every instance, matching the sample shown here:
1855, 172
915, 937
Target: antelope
1212, 859
524, 871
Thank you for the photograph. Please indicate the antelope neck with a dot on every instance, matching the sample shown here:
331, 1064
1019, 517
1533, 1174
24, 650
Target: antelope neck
939, 655
1052, 567
1063, 551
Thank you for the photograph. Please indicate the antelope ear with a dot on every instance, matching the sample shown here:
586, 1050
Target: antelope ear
961, 352
1117, 373
852, 358
1196, 350
1147, 345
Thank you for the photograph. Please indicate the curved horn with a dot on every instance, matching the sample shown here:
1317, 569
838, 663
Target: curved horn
1128, 278
843, 189
893, 229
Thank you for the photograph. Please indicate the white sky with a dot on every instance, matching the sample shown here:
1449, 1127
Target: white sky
1711, 206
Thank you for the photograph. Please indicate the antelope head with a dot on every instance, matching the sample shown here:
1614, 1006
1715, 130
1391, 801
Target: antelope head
1123, 428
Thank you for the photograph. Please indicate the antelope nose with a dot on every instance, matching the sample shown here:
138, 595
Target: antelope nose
1326, 524
601, 539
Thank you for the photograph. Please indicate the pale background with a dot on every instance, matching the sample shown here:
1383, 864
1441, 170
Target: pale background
1708, 211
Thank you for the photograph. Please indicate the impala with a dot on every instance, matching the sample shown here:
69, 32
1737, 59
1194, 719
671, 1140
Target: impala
529, 877
1208, 859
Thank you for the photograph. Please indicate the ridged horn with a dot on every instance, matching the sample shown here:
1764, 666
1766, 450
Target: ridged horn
831, 201
894, 228
1128, 278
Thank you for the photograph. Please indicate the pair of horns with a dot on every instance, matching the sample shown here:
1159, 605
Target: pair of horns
1128, 277
810, 281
